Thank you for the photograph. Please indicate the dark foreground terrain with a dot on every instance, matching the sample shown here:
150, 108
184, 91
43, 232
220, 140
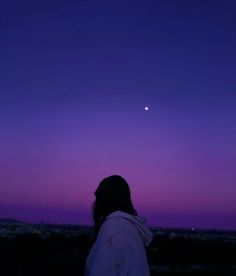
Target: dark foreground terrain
35, 250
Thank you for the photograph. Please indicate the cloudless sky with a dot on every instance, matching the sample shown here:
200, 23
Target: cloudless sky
75, 78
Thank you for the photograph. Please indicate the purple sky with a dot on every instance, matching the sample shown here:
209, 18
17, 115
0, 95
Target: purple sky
75, 78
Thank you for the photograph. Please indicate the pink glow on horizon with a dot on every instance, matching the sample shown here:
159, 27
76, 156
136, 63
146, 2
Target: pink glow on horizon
62, 180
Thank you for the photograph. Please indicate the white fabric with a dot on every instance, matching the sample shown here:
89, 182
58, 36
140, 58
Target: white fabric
119, 248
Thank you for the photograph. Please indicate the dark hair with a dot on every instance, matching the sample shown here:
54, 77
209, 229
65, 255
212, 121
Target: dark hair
112, 194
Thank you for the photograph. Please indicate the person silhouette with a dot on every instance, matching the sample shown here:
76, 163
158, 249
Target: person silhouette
120, 235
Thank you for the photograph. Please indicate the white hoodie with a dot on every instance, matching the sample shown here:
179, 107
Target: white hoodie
119, 249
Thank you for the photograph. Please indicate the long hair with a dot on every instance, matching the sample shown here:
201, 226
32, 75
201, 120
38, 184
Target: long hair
112, 194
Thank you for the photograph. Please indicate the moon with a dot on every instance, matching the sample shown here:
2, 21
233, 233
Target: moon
146, 108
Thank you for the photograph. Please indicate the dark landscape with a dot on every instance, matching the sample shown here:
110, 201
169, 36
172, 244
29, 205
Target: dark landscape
47, 249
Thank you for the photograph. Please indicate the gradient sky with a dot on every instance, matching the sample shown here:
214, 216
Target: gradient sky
75, 77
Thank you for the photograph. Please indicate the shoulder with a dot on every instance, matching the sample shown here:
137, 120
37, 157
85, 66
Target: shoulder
113, 225
115, 228
117, 224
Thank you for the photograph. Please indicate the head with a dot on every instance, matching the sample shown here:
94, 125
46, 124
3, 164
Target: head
112, 194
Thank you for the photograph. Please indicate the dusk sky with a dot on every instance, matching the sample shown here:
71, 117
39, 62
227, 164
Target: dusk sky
75, 78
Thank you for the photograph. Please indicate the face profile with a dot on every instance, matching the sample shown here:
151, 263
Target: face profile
112, 194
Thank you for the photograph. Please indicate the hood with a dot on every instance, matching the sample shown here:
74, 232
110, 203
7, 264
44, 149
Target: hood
139, 222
